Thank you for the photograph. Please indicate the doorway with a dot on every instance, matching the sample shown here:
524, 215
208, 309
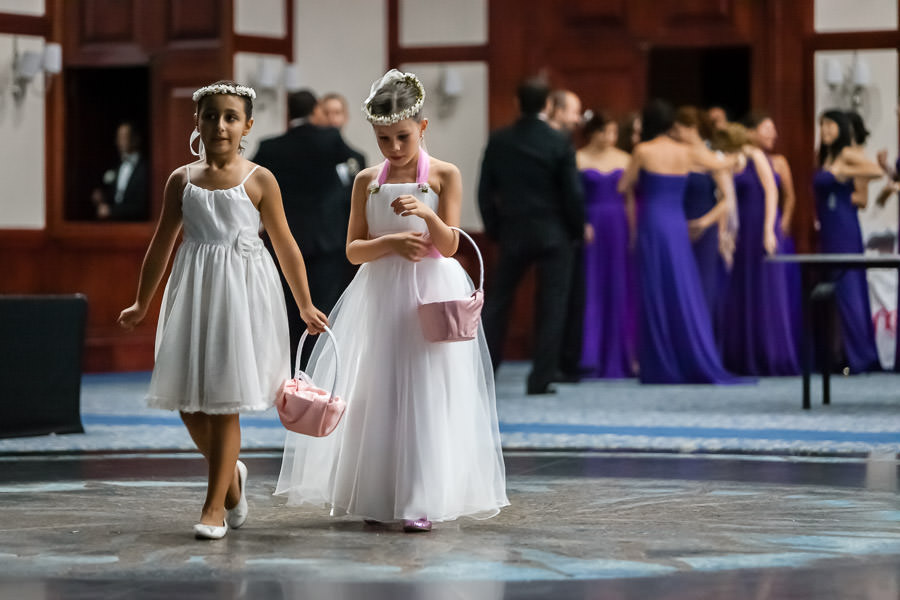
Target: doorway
702, 77
98, 100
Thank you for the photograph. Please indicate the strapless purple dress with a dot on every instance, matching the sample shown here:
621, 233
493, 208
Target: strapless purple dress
675, 339
840, 233
758, 336
608, 347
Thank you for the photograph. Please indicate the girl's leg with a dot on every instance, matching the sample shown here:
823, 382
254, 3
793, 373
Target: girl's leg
200, 426
224, 448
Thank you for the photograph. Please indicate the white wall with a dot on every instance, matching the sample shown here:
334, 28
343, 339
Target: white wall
22, 133
22, 7
854, 15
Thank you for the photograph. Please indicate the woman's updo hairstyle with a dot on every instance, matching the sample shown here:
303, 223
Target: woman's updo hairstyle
598, 122
732, 137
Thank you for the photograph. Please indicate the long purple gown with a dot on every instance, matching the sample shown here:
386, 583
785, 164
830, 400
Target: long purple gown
699, 199
759, 335
840, 233
609, 319
675, 339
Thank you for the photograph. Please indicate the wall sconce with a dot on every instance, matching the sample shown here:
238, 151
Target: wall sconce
293, 77
27, 64
849, 85
449, 90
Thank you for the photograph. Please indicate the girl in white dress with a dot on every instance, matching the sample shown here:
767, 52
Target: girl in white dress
419, 441
221, 340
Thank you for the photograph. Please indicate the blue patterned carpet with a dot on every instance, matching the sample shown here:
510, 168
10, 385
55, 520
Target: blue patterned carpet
763, 417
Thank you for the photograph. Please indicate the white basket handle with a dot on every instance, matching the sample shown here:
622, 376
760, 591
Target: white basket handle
298, 374
477, 253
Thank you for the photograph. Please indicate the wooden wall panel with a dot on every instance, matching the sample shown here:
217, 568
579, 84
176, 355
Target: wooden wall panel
107, 21
193, 19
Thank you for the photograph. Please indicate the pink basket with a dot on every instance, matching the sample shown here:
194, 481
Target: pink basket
305, 408
453, 320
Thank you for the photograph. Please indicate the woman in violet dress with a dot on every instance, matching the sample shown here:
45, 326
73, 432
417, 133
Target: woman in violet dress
675, 339
762, 133
709, 208
609, 326
759, 339
833, 184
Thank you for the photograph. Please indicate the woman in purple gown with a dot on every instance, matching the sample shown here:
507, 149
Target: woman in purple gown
608, 346
760, 338
708, 198
763, 134
833, 185
675, 339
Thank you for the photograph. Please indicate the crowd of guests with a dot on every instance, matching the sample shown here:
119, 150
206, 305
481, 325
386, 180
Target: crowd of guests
667, 277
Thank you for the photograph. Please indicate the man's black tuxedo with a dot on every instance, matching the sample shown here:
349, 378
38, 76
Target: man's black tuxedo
305, 163
134, 204
532, 203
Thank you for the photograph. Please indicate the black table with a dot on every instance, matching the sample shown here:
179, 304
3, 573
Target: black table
834, 265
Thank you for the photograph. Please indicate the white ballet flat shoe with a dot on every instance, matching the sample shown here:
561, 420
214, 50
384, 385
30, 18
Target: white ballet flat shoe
236, 516
210, 532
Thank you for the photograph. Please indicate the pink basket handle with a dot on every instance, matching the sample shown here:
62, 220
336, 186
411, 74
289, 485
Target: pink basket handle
298, 374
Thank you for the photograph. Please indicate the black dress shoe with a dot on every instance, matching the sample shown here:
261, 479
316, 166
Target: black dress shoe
566, 377
536, 390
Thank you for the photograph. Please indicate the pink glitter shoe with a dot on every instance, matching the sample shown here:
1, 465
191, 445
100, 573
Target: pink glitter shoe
416, 526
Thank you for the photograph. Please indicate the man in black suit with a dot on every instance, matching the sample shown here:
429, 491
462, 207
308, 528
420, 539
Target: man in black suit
124, 194
308, 162
531, 203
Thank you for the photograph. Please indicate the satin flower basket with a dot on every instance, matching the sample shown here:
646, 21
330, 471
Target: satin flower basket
453, 320
305, 408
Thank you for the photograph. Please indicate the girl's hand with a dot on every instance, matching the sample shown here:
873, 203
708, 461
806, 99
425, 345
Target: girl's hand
407, 205
315, 319
131, 316
770, 242
411, 245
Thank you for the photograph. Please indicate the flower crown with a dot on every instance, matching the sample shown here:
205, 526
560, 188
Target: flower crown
390, 77
224, 88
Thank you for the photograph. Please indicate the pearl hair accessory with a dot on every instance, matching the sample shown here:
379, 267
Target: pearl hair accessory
224, 88
390, 77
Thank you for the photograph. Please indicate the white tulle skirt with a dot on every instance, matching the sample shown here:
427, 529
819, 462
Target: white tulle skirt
420, 435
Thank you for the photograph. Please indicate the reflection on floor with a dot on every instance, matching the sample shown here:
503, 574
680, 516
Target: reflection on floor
581, 525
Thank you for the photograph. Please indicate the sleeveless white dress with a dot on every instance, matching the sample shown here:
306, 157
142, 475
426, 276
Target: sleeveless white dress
420, 435
221, 341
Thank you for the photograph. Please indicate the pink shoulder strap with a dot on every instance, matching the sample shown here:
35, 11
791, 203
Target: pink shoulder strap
421, 169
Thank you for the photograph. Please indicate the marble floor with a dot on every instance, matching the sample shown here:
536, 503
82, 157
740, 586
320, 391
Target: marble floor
581, 525
617, 491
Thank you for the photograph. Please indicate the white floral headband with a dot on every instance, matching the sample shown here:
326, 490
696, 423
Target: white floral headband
390, 77
224, 88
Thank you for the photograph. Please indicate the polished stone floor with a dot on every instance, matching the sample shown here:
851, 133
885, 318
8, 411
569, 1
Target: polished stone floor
618, 491
581, 525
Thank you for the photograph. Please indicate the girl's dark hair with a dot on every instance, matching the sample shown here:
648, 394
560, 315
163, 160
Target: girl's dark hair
657, 118
248, 101
860, 133
394, 97
844, 139
597, 122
